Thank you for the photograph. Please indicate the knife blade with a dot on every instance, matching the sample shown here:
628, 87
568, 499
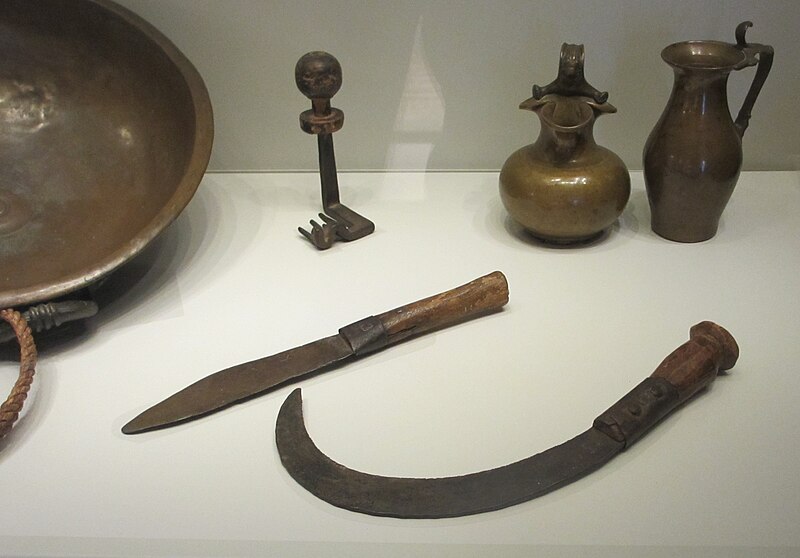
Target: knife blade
244, 381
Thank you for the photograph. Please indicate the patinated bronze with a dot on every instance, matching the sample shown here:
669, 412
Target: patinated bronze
319, 76
105, 133
48, 315
229, 386
564, 188
688, 369
693, 156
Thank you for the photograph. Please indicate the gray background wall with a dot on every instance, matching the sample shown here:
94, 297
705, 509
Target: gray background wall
435, 84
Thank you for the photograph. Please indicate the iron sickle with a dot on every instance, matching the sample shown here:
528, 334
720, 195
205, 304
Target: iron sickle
235, 384
689, 368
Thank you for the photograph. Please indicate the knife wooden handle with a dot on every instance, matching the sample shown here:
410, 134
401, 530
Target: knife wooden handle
480, 296
695, 364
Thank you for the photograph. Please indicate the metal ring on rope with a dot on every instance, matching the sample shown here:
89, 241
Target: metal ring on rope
10, 409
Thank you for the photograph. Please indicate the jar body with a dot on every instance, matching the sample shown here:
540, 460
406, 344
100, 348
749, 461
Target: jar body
564, 189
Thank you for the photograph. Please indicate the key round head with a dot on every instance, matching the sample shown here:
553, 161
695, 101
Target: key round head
318, 75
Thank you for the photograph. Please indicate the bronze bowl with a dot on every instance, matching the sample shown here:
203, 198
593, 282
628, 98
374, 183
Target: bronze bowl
105, 133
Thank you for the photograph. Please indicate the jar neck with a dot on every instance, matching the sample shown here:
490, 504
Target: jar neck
564, 144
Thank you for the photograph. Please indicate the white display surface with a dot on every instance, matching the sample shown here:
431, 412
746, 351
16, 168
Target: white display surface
232, 280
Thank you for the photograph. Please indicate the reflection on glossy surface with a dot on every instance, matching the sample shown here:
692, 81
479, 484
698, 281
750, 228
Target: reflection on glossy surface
23, 107
14, 213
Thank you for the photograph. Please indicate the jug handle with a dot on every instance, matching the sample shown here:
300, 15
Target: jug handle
753, 54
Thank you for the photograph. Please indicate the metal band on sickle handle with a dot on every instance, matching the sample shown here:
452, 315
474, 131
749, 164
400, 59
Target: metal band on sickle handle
10, 409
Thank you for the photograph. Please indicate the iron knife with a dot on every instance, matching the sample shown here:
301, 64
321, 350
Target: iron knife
247, 380
688, 369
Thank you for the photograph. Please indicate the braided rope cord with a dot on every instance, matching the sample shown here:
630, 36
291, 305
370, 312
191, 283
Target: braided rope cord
10, 409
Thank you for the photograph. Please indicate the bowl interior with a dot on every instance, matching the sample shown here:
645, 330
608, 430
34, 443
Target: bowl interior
104, 136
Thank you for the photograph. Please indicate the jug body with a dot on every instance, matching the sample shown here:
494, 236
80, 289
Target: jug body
693, 156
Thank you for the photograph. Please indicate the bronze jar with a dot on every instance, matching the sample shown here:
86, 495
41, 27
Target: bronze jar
693, 156
564, 188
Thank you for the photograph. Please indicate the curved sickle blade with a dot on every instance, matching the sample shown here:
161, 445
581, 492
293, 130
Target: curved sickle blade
433, 497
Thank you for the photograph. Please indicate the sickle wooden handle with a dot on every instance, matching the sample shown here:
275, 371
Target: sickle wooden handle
480, 296
688, 369
695, 364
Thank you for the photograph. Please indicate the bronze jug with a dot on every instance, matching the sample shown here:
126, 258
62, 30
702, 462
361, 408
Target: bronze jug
564, 188
693, 156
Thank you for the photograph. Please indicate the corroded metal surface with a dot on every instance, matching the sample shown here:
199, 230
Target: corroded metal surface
686, 370
426, 498
105, 133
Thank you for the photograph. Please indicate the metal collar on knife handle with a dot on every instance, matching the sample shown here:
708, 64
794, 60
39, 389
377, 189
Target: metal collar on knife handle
688, 369
485, 294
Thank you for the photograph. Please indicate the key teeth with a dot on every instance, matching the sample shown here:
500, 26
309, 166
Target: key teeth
321, 236
328, 220
346, 225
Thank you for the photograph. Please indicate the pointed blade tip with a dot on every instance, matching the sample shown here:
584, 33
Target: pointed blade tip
132, 428
140, 424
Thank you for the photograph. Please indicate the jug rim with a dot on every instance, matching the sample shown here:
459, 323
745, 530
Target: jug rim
703, 55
